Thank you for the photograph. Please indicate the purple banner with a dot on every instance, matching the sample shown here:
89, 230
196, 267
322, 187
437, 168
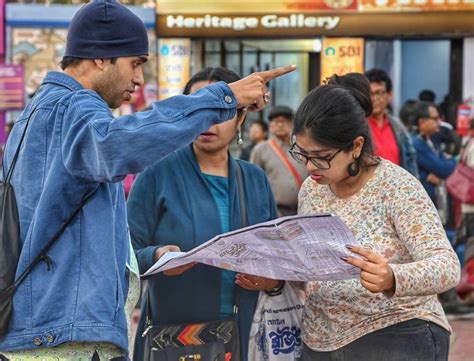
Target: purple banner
12, 87
2, 28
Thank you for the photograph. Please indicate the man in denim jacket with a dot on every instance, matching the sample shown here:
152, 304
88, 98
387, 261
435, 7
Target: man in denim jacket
74, 147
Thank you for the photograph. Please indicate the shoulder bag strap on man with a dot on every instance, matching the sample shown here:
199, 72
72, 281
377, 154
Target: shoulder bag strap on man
43, 253
286, 161
8, 177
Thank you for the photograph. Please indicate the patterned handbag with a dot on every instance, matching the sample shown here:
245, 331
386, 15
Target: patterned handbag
212, 341
208, 341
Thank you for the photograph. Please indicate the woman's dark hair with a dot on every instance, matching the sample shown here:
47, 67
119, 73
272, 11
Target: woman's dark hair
335, 114
211, 75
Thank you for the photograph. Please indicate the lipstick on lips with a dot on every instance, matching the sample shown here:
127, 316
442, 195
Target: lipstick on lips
207, 136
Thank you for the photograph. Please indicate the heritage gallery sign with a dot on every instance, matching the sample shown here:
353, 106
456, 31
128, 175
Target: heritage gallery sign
251, 22
285, 18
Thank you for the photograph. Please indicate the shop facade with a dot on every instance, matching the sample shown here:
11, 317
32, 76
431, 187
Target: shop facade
421, 44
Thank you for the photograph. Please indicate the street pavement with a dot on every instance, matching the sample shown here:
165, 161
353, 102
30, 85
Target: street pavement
462, 340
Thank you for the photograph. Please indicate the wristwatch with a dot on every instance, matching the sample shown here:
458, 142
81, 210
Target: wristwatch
277, 290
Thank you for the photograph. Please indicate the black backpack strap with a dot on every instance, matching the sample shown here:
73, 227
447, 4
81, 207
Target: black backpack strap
17, 152
244, 222
43, 253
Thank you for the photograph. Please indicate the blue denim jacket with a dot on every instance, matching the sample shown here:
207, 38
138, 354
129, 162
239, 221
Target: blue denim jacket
405, 144
74, 145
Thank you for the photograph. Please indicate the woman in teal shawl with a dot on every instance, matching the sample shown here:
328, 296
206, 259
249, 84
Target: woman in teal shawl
185, 200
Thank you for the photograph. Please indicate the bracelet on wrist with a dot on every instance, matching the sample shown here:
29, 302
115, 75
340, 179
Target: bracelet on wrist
277, 290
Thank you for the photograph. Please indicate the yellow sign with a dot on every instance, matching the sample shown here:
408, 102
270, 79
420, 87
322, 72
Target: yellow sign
341, 56
174, 66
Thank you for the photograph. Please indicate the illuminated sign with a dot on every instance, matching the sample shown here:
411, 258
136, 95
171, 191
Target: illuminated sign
312, 18
342, 55
174, 66
243, 23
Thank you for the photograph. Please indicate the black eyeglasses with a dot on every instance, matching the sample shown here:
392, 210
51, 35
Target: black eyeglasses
318, 162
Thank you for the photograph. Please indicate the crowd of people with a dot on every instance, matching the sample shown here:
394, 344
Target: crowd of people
342, 152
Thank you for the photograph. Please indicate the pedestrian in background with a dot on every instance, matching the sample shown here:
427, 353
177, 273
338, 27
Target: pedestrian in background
390, 137
183, 201
433, 164
465, 289
258, 132
391, 312
75, 303
284, 173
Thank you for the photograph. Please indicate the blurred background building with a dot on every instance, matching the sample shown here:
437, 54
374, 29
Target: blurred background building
422, 44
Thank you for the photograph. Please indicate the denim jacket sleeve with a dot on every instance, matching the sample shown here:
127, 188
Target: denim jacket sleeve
407, 150
98, 147
432, 162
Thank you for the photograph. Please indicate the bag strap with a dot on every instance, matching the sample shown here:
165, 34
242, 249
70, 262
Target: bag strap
244, 222
463, 154
17, 151
43, 253
286, 161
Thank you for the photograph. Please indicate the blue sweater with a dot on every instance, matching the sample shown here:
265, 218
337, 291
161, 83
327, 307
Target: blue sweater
171, 204
431, 161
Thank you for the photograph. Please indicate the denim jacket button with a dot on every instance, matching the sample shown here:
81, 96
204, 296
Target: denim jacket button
37, 341
50, 338
228, 99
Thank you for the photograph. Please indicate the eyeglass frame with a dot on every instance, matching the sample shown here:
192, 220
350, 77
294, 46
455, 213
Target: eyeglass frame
292, 152
378, 94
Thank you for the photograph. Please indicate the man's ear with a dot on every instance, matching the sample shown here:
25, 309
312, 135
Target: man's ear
100, 63
390, 95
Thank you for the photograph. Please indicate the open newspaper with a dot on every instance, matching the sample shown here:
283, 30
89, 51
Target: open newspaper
295, 248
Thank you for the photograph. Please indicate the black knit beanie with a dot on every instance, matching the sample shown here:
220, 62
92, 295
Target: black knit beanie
104, 29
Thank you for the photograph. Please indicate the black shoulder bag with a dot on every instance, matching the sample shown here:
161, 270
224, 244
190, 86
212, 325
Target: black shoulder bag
10, 243
207, 341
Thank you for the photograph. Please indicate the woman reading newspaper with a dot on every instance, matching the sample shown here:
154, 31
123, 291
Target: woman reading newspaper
180, 203
391, 312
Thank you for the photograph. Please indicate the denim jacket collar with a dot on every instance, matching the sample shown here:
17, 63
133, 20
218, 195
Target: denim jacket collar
62, 79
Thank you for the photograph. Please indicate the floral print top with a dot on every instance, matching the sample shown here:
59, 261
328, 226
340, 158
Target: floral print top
392, 215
